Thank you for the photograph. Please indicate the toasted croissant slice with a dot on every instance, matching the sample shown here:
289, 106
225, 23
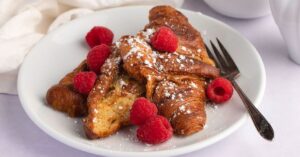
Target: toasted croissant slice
138, 55
190, 41
181, 96
64, 98
110, 100
171, 77
181, 99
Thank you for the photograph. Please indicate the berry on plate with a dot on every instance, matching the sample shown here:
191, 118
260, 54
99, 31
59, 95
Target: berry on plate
164, 39
219, 90
97, 56
99, 35
83, 82
155, 130
141, 110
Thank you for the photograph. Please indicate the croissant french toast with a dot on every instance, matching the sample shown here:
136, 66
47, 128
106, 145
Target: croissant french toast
187, 98
110, 100
174, 81
64, 98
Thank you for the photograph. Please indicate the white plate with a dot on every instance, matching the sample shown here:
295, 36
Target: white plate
62, 50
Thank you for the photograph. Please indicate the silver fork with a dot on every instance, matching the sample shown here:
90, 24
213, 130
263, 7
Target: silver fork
230, 71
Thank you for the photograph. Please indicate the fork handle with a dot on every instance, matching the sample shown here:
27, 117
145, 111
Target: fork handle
262, 125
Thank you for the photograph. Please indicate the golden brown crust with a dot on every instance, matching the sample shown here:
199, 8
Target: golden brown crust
64, 98
110, 100
181, 98
175, 81
128, 46
189, 37
189, 66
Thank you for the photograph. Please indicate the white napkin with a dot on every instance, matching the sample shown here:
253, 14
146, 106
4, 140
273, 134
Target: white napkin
22, 26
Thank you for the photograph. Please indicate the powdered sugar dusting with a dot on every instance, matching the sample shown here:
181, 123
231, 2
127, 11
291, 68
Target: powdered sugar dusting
122, 83
193, 85
182, 108
148, 33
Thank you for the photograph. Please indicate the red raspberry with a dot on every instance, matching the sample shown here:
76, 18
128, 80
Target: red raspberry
219, 90
97, 56
99, 35
164, 39
156, 129
84, 82
141, 110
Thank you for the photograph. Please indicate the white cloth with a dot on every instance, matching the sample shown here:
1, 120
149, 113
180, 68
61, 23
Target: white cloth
22, 26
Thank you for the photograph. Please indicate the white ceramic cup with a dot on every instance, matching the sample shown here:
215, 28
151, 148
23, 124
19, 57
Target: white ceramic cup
240, 8
286, 13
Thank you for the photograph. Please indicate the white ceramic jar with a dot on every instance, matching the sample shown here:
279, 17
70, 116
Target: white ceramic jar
241, 8
287, 16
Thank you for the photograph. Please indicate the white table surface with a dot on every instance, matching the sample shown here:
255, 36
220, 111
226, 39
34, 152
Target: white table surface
19, 136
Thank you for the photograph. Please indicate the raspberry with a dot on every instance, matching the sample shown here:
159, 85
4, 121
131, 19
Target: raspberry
164, 39
156, 129
141, 110
97, 56
99, 35
219, 90
84, 81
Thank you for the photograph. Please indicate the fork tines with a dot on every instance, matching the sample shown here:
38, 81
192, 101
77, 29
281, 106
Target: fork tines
222, 59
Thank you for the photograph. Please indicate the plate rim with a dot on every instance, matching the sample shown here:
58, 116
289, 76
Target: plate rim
169, 152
